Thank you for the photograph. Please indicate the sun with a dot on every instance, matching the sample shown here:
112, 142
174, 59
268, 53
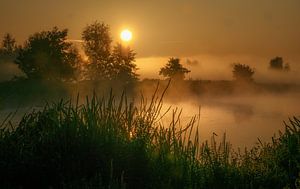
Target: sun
126, 35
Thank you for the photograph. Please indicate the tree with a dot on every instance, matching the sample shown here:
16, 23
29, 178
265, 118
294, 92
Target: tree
242, 72
174, 70
8, 48
278, 64
97, 46
123, 64
106, 63
47, 55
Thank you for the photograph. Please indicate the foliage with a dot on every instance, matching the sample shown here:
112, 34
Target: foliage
123, 61
242, 72
174, 70
106, 63
109, 143
47, 55
277, 64
97, 46
8, 48
97, 41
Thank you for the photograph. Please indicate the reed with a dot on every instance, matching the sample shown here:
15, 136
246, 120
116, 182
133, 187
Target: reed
111, 142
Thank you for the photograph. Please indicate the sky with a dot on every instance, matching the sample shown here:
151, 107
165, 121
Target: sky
194, 29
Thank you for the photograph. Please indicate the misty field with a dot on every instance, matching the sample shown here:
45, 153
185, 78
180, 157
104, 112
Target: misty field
121, 141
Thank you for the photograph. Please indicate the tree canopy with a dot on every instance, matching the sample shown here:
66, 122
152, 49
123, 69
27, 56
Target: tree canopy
97, 41
242, 72
174, 70
106, 63
123, 60
48, 55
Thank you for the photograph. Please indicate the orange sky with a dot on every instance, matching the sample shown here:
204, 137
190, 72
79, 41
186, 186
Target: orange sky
164, 28
169, 27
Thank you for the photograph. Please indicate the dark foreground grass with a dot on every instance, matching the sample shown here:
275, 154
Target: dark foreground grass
108, 143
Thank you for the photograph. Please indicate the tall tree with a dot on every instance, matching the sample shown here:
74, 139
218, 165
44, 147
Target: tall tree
97, 46
106, 63
174, 70
124, 68
47, 55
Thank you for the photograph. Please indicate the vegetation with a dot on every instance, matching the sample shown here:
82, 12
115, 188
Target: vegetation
105, 63
277, 64
109, 143
8, 49
123, 60
174, 70
97, 46
48, 56
242, 72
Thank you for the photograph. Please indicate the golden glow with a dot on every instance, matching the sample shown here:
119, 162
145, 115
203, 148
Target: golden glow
126, 35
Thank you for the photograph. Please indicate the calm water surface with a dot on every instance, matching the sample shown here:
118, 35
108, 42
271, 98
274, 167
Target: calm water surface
242, 118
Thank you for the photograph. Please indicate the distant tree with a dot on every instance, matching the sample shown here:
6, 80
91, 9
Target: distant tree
242, 72
123, 59
97, 46
174, 70
47, 55
278, 64
8, 48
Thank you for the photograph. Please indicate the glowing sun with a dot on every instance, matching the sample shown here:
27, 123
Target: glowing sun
126, 35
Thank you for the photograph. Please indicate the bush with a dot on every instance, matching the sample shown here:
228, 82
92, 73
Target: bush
242, 72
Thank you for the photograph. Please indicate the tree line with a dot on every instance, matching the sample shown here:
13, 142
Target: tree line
49, 55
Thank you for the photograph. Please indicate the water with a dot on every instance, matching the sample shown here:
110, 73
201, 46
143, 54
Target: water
244, 119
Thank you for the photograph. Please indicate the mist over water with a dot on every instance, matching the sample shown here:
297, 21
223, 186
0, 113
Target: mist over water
8, 70
244, 118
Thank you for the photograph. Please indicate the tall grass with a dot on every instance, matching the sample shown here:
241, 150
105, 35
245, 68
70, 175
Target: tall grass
109, 143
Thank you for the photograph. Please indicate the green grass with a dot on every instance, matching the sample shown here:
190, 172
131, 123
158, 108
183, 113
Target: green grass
116, 143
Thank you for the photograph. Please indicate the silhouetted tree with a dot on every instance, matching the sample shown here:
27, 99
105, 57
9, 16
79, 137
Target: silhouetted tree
242, 72
123, 64
106, 63
174, 70
278, 64
47, 55
97, 46
8, 48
